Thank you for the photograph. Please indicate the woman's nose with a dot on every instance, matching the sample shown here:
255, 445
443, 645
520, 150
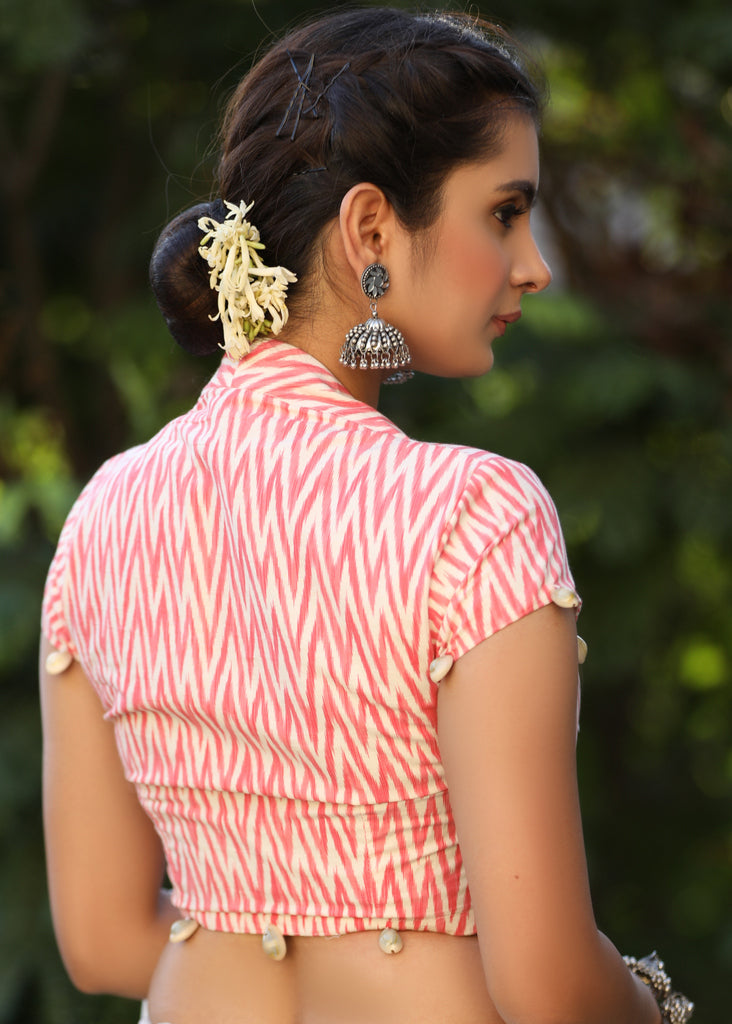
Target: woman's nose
531, 271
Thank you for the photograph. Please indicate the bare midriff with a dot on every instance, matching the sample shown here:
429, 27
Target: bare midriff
227, 979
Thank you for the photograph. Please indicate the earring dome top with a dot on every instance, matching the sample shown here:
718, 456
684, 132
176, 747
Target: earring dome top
375, 280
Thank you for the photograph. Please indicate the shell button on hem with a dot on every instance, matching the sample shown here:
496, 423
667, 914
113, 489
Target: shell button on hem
181, 931
390, 941
273, 943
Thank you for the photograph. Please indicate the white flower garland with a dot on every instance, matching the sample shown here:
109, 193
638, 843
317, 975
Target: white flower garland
251, 294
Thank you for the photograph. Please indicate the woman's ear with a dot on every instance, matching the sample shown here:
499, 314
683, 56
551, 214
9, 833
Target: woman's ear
367, 225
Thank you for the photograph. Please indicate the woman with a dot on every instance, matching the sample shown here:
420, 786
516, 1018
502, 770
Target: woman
301, 626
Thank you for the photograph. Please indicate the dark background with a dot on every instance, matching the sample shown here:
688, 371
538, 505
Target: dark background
615, 387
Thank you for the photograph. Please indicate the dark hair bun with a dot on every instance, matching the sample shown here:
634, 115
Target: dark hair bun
179, 279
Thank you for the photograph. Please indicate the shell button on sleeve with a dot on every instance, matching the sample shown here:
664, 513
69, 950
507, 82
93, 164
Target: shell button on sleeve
440, 667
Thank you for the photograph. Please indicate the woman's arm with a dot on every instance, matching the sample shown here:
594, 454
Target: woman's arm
507, 731
104, 859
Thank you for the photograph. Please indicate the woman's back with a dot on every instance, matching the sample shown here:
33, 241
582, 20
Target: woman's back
436, 979
267, 583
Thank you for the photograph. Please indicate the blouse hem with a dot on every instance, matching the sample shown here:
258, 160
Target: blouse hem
256, 923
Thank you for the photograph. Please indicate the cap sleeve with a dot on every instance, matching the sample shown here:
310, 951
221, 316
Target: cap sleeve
54, 610
502, 556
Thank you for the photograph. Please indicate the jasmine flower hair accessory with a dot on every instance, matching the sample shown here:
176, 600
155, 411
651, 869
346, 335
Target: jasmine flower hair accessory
251, 295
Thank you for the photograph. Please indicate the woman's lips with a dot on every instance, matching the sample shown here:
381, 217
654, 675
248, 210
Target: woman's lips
503, 319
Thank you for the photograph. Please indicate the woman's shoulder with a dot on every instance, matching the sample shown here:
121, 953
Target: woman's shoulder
482, 475
107, 475
501, 554
104, 496
493, 495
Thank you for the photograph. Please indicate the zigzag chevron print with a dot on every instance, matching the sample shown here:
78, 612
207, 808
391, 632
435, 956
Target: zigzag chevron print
257, 594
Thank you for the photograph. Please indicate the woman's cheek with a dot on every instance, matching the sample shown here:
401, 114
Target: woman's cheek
477, 257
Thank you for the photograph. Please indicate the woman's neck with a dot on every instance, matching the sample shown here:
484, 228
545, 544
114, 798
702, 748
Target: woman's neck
323, 339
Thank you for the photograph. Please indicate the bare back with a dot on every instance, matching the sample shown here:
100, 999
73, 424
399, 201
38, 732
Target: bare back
435, 979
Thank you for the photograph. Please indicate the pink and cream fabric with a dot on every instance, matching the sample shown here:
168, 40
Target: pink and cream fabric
258, 594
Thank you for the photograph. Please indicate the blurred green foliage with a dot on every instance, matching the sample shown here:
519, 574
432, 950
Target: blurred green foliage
615, 387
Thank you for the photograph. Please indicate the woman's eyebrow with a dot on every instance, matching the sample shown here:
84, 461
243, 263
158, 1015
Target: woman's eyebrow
527, 188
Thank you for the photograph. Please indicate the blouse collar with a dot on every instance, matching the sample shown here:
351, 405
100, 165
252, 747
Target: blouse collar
276, 371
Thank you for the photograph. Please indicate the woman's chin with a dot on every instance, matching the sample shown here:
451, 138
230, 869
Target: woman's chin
456, 363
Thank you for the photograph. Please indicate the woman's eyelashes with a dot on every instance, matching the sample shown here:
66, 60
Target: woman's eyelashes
509, 212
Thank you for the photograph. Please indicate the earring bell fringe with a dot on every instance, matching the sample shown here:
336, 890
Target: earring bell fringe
375, 345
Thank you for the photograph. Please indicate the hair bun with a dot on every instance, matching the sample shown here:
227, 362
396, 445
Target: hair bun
180, 281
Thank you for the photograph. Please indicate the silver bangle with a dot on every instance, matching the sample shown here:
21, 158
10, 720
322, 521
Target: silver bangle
675, 1008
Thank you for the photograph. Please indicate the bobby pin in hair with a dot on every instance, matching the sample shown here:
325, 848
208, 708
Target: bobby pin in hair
297, 103
313, 106
298, 96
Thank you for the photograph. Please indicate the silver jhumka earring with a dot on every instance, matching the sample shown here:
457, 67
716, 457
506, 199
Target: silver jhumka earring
375, 344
